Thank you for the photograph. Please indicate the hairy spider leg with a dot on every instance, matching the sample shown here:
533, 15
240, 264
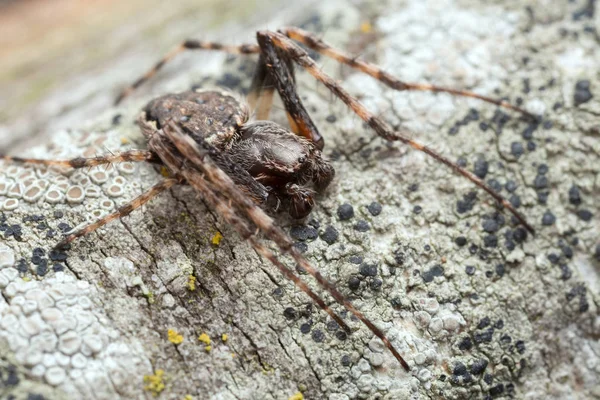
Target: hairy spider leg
82, 162
313, 42
269, 39
121, 212
225, 209
196, 155
189, 44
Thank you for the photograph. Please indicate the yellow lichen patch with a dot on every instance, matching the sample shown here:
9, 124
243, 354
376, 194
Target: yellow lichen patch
216, 239
297, 396
224, 337
174, 336
366, 27
204, 338
124, 140
191, 284
164, 172
188, 397
154, 383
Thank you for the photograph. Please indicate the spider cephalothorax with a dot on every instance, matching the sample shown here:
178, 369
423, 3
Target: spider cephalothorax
285, 167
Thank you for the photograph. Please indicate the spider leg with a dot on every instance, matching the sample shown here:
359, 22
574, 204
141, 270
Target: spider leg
279, 72
270, 40
81, 162
199, 157
189, 44
316, 44
121, 212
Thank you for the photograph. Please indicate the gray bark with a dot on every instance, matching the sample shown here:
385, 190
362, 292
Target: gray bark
493, 317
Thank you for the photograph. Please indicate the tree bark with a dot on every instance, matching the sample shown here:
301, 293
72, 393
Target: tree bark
158, 304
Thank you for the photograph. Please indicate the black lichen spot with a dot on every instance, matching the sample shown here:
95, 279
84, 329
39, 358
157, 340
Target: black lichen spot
495, 185
346, 360
332, 326
505, 339
519, 235
531, 146
116, 119
517, 149
290, 313
42, 268
330, 235
376, 284
479, 366
543, 197
483, 337
515, 200
417, 209
305, 328
574, 195
484, 322
582, 92
473, 249
467, 203
488, 378
465, 344
459, 369
64, 227
511, 186
490, 241
355, 259
553, 258
353, 283
362, 226
490, 225
301, 247
368, 269
548, 218
497, 390
318, 335
302, 232
540, 182
499, 324
489, 274
500, 270
436, 270
481, 168
542, 169
565, 272
331, 118
314, 223
470, 270
520, 346
12, 378
460, 241
374, 208
345, 212
22, 266
585, 215
527, 134
57, 255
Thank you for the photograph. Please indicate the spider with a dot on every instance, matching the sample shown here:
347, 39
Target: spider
245, 168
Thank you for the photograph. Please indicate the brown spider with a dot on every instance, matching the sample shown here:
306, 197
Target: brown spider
205, 140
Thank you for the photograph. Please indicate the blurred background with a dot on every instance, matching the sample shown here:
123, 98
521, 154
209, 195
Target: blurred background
64, 61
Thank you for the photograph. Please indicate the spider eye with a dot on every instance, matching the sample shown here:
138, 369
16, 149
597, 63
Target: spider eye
301, 160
